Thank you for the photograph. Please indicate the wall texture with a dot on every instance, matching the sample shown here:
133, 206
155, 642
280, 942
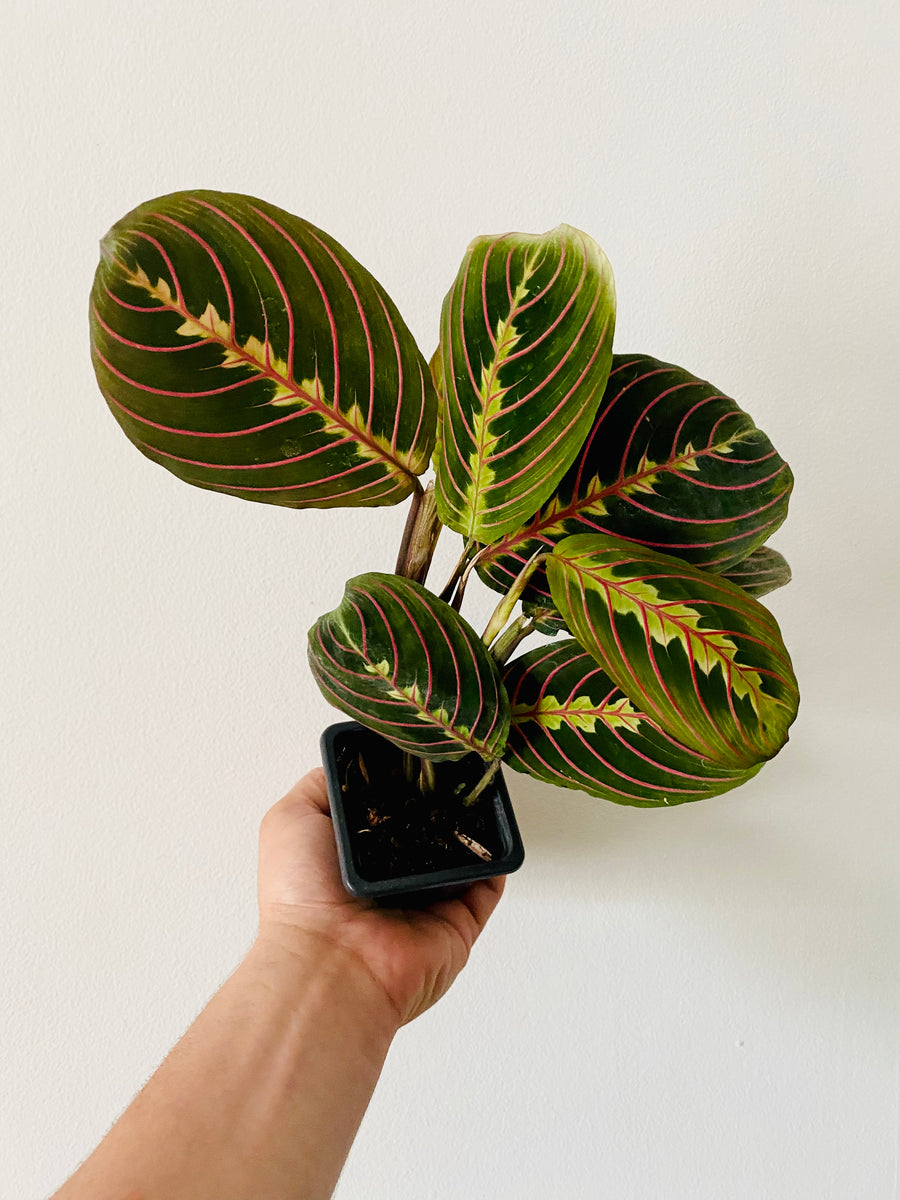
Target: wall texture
693, 1004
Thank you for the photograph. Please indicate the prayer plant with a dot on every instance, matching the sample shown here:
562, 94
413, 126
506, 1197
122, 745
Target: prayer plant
623, 501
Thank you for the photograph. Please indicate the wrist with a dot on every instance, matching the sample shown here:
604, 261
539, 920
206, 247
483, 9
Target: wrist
304, 967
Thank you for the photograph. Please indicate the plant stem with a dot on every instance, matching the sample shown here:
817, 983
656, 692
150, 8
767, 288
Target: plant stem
420, 536
411, 517
482, 783
447, 593
470, 567
410, 767
504, 609
507, 641
427, 781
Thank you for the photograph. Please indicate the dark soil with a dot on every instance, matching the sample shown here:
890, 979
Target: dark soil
394, 831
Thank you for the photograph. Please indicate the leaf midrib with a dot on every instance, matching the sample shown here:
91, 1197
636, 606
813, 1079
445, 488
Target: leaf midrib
603, 713
688, 630
394, 681
234, 347
507, 342
555, 522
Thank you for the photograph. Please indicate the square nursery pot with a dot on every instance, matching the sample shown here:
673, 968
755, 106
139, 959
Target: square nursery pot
407, 852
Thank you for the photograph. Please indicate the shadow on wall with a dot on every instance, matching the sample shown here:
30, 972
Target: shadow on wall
795, 872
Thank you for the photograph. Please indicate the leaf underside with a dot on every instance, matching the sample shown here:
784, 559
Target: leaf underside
671, 464
573, 727
525, 348
402, 662
246, 351
760, 572
693, 651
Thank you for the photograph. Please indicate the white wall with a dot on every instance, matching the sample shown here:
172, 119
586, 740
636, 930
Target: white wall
694, 1004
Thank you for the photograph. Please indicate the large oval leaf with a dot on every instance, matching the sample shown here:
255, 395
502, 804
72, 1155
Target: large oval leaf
690, 649
248, 352
760, 572
572, 726
399, 660
526, 343
670, 463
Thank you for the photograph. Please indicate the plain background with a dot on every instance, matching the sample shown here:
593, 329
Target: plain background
692, 1004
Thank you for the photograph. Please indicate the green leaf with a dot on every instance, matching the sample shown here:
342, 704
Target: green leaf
545, 617
573, 727
525, 349
692, 650
402, 662
670, 463
246, 351
761, 572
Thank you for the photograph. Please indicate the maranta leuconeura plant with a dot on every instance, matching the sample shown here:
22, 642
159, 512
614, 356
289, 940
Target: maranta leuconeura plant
619, 504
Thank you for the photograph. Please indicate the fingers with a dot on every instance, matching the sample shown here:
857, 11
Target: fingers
482, 898
310, 792
470, 912
308, 797
298, 862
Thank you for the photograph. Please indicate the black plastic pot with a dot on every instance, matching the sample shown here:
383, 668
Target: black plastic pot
342, 743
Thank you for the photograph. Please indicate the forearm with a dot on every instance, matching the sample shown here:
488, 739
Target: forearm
263, 1095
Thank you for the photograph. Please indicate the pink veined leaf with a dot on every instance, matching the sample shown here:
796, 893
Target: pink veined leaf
700, 657
572, 726
247, 352
402, 662
525, 347
670, 463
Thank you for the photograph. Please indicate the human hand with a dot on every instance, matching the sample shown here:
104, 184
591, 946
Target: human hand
412, 954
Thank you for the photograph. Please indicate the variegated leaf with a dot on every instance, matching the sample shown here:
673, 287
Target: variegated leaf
526, 343
670, 463
693, 651
402, 662
246, 351
761, 572
572, 726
